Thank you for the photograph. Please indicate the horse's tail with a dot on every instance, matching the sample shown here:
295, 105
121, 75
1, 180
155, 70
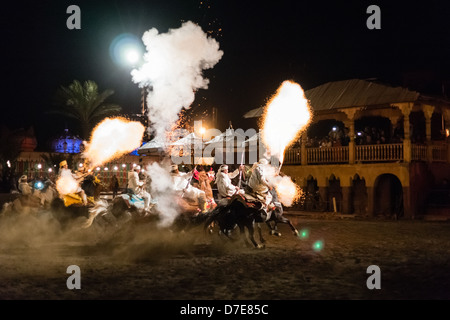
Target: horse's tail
100, 208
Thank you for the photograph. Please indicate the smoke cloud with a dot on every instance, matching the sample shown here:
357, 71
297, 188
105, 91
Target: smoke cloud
172, 70
163, 191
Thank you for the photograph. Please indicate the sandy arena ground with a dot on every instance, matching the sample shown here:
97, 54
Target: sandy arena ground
142, 262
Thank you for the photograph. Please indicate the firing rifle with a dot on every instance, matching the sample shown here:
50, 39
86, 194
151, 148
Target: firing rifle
189, 181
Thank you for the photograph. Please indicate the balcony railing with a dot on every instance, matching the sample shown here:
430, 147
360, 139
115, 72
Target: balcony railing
327, 155
367, 153
379, 152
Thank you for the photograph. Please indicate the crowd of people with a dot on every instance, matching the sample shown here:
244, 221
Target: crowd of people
338, 137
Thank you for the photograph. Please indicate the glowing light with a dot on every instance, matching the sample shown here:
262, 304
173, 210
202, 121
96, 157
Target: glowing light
50, 169
132, 55
124, 165
116, 168
318, 245
80, 165
8, 164
303, 234
98, 169
288, 192
39, 166
38, 185
134, 165
106, 169
112, 138
286, 115
126, 49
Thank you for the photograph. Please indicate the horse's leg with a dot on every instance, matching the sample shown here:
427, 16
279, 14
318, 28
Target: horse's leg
273, 229
251, 233
288, 222
261, 238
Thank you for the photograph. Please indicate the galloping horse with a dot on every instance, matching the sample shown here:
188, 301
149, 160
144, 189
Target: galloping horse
246, 212
238, 213
68, 208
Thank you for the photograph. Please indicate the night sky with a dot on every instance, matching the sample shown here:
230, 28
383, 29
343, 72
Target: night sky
264, 43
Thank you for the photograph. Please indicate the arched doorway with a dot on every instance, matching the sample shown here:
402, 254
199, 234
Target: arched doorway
311, 199
388, 197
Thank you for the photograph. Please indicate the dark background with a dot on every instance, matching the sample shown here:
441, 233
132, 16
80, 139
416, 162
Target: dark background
264, 43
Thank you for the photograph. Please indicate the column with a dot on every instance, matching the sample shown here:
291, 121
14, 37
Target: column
405, 108
303, 154
428, 112
370, 201
446, 114
350, 123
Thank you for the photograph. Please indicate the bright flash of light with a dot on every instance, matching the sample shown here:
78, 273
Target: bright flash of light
288, 191
126, 49
303, 234
112, 138
132, 55
286, 115
318, 245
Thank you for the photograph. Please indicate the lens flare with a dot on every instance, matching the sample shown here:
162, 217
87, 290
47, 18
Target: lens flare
303, 234
318, 245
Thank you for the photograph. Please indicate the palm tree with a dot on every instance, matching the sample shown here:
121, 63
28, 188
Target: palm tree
84, 103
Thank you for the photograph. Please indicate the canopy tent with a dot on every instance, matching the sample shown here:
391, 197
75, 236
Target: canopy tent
254, 113
151, 147
189, 140
226, 137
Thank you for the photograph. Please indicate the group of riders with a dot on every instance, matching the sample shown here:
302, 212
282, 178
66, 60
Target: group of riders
195, 187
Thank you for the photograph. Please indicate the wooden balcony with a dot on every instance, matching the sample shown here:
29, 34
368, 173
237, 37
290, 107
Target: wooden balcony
367, 153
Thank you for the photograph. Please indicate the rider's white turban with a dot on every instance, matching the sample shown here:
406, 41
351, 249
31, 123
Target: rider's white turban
223, 167
263, 161
173, 167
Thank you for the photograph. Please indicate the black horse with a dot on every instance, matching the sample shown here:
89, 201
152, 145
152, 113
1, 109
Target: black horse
238, 213
242, 213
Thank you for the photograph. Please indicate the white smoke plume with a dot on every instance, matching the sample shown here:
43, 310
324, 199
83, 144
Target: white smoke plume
163, 192
66, 183
172, 69
287, 190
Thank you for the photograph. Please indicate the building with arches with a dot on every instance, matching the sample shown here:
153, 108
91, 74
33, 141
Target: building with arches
374, 149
